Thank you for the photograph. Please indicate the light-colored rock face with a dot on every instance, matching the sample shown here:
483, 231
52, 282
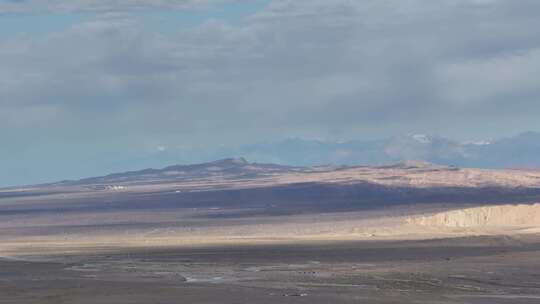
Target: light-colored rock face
419, 175
488, 216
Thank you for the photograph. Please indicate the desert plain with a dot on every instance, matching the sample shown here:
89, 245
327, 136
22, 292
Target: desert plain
237, 232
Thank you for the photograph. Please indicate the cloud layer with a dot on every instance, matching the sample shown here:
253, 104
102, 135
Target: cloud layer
318, 68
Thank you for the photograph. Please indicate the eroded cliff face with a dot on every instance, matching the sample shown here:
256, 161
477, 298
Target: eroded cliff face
488, 216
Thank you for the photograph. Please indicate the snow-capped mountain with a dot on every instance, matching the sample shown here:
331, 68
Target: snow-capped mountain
521, 151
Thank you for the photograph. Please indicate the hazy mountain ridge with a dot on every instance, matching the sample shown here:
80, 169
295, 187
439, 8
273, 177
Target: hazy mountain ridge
230, 168
521, 151
518, 152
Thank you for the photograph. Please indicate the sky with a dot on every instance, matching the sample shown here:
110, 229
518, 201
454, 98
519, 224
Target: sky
88, 83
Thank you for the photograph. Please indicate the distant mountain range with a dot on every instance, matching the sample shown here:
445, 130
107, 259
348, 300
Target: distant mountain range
517, 152
521, 151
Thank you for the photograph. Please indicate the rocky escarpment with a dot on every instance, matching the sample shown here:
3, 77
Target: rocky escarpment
488, 216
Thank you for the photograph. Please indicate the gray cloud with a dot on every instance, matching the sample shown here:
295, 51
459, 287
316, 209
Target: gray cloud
299, 67
366, 59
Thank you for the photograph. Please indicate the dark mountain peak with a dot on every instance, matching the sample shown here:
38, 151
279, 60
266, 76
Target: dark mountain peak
527, 138
528, 142
424, 147
530, 134
230, 162
411, 164
222, 164
227, 167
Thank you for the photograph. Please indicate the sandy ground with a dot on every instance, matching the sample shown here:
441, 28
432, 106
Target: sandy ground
373, 256
60, 233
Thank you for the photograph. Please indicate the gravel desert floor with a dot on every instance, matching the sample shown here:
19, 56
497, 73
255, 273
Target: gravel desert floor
489, 269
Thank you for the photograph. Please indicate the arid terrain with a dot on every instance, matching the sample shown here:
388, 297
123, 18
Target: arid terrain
237, 232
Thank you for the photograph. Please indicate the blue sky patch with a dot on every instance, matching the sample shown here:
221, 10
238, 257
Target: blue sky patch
38, 24
165, 21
